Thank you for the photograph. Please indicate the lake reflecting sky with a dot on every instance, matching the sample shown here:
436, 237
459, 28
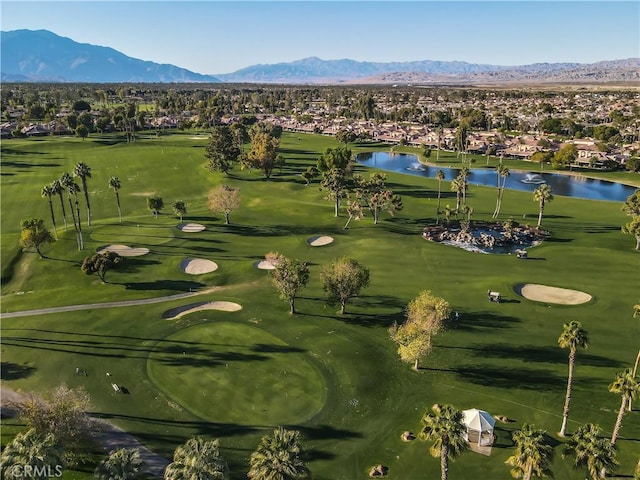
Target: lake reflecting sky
564, 185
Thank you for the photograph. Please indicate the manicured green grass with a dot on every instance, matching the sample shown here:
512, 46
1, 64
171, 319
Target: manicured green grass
199, 368
502, 358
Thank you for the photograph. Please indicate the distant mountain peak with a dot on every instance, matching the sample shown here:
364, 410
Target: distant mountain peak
43, 56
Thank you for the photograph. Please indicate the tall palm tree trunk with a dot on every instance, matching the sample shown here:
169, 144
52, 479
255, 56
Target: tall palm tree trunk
540, 213
633, 374
444, 462
528, 472
86, 198
64, 213
567, 398
118, 203
79, 222
53, 217
75, 224
618, 425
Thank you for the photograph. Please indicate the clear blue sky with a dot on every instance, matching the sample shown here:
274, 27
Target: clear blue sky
222, 36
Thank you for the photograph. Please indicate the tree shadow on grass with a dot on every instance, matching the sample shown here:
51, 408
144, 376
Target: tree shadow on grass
546, 354
371, 320
511, 377
132, 264
273, 230
272, 348
178, 285
13, 371
484, 320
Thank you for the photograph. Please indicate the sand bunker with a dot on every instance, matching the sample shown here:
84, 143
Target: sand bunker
197, 266
545, 294
191, 227
264, 265
196, 307
124, 250
319, 241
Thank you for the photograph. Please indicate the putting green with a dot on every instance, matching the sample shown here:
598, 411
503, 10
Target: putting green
132, 234
234, 373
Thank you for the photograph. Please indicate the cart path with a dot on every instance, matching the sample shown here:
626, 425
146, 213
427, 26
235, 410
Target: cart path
108, 436
95, 306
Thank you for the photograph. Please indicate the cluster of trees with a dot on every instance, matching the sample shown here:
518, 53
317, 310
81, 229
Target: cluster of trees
226, 142
335, 166
342, 279
34, 233
66, 183
60, 433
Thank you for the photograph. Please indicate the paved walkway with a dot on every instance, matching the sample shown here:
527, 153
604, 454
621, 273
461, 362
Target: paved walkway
109, 436
95, 306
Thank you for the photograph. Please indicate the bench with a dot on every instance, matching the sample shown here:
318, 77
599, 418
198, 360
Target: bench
115, 387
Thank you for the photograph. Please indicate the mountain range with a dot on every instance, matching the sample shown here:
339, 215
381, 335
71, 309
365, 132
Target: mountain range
42, 56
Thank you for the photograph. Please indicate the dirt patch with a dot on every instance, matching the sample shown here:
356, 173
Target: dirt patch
320, 240
178, 312
198, 266
124, 250
546, 294
191, 227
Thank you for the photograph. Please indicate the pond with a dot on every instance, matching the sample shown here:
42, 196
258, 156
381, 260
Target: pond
564, 185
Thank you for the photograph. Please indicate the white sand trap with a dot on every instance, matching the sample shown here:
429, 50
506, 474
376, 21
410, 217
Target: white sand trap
546, 294
191, 227
196, 307
198, 266
319, 241
264, 265
124, 250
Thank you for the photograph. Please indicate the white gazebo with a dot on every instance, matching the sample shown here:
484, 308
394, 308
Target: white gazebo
479, 427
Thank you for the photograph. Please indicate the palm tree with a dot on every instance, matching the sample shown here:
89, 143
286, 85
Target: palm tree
31, 450
591, 451
179, 208
197, 459
57, 189
445, 426
439, 177
83, 171
279, 457
503, 174
47, 191
573, 336
122, 464
457, 185
72, 188
464, 173
542, 195
532, 455
628, 388
114, 183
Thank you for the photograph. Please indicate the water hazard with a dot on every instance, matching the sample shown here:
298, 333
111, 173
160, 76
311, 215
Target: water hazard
564, 185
